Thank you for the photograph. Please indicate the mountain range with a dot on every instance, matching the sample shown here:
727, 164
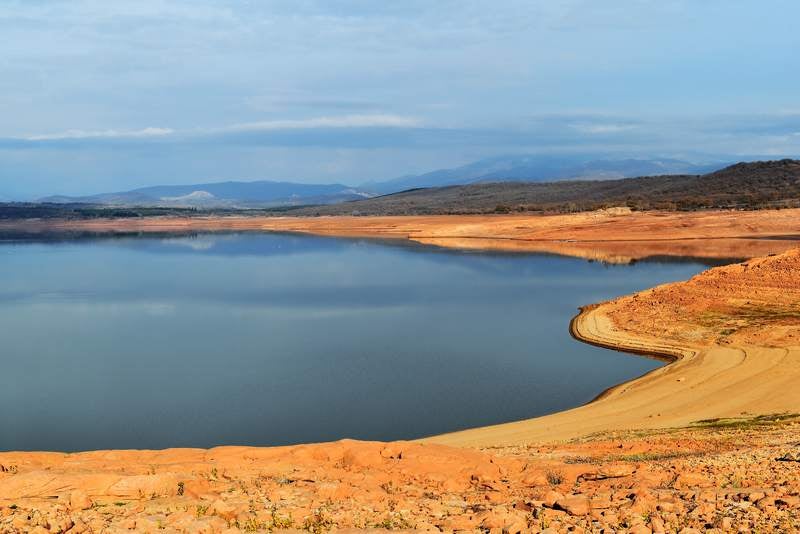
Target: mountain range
268, 194
750, 185
532, 168
259, 194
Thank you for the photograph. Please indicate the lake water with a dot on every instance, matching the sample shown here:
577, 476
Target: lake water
267, 339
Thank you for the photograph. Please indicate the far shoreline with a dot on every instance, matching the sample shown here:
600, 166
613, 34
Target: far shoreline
611, 236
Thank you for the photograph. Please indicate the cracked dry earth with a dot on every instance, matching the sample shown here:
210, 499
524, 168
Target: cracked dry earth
738, 475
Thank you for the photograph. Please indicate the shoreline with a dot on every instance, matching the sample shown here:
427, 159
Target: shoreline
586, 327
660, 449
610, 236
733, 349
575, 331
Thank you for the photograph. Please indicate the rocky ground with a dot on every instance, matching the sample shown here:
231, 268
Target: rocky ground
718, 476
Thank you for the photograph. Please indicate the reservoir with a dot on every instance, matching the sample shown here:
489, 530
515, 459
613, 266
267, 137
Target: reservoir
271, 339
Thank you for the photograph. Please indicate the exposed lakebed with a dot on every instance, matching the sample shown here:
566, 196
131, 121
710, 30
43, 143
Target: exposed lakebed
269, 339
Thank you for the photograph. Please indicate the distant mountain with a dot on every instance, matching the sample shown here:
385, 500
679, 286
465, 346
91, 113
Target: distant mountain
753, 185
222, 194
529, 168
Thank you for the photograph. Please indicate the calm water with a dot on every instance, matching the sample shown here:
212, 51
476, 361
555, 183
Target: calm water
267, 339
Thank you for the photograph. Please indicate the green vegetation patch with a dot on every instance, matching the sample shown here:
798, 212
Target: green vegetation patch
746, 422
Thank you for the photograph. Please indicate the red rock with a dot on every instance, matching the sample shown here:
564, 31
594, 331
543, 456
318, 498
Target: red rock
788, 501
692, 480
534, 478
610, 471
78, 500
574, 504
359, 457
765, 502
460, 522
496, 519
136, 486
551, 497
393, 451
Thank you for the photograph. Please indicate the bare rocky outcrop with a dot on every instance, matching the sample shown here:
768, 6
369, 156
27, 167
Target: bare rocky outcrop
728, 475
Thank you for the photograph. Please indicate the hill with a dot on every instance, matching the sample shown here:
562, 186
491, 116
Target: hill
752, 185
531, 168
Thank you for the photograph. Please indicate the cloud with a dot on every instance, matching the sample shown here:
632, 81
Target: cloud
359, 122
347, 121
596, 129
101, 134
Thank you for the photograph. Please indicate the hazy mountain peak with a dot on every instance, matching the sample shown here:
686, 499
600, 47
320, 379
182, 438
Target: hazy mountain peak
230, 194
542, 168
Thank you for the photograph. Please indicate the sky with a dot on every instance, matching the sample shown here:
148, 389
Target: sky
99, 96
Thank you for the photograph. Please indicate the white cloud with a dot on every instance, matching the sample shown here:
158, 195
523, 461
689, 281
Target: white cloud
590, 128
346, 121
102, 134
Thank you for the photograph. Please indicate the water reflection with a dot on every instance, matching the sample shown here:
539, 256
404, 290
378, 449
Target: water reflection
263, 339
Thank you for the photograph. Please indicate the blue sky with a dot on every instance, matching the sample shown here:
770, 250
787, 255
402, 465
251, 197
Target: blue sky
98, 96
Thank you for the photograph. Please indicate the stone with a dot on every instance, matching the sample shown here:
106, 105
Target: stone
574, 505
137, 486
692, 480
551, 497
535, 478
496, 519
78, 500
151, 523
79, 526
460, 522
610, 471
789, 501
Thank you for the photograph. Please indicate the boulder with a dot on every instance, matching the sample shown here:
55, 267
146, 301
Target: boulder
78, 500
574, 504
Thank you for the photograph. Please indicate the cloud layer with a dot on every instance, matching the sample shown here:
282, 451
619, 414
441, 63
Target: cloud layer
102, 95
